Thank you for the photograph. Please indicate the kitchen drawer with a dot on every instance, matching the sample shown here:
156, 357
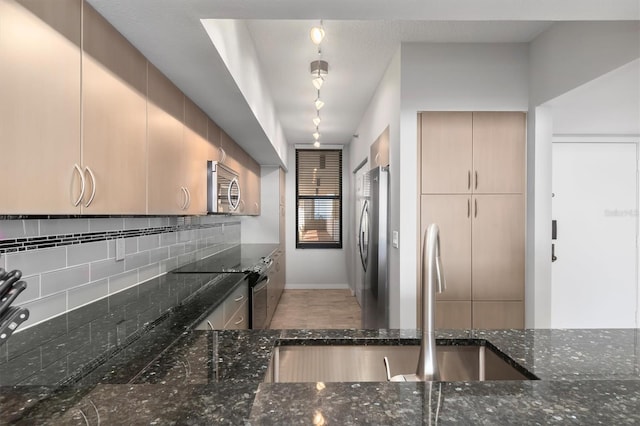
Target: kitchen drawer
235, 300
216, 318
240, 319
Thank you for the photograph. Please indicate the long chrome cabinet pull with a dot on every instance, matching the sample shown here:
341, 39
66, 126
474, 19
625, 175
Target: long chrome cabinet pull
82, 185
468, 207
475, 203
239, 321
476, 173
188, 198
239, 298
93, 186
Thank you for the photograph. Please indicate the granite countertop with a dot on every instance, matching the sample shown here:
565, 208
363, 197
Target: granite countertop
233, 258
586, 377
157, 369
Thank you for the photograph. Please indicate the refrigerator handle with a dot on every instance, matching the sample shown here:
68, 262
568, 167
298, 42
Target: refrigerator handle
365, 207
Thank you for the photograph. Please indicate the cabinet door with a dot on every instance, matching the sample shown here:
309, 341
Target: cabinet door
114, 112
498, 247
446, 146
252, 186
39, 106
197, 151
379, 152
240, 320
453, 315
165, 112
498, 315
498, 152
452, 214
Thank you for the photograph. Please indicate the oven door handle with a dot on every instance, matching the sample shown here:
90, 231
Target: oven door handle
259, 287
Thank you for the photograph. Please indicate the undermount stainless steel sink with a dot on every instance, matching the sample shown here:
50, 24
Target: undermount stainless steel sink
364, 363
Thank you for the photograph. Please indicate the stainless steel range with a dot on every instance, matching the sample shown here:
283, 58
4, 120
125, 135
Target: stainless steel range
260, 315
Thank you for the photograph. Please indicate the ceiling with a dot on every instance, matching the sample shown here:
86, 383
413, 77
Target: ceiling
361, 37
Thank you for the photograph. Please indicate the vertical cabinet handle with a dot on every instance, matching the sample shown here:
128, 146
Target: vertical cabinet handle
93, 186
377, 159
223, 155
239, 321
188, 197
475, 204
257, 206
185, 198
468, 207
476, 175
82, 185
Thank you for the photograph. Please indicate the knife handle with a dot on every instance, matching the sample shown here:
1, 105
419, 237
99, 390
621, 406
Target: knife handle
8, 280
10, 296
11, 320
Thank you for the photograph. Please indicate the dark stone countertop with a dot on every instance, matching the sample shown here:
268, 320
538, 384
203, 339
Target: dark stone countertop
587, 377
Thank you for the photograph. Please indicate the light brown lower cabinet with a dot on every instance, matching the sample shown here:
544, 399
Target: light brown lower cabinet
453, 315
498, 314
231, 314
482, 251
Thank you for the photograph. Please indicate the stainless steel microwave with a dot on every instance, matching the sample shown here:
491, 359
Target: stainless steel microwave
223, 188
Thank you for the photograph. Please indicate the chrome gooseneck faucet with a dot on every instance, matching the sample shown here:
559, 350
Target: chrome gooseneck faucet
432, 281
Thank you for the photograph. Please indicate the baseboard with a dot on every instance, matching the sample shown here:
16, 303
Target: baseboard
290, 286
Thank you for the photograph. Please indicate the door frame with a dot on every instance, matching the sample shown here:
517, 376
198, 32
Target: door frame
615, 139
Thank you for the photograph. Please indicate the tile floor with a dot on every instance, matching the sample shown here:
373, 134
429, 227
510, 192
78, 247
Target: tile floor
319, 309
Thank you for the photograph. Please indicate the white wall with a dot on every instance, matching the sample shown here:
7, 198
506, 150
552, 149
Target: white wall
266, 227
562, 58
313, 268
236, 48
440, 77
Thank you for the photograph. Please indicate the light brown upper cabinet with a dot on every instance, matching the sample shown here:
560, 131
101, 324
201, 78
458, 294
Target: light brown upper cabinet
472, 152
447, 152
167, 193
40, 107
379, 151
114, 112
498, 152
198, 151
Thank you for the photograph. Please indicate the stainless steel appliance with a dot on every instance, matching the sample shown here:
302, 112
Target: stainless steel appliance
373, 247
223, 188
259, 278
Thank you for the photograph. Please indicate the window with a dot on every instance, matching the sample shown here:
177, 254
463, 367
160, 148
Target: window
319, 198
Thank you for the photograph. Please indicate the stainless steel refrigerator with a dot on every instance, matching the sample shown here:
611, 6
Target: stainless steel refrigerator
373, 248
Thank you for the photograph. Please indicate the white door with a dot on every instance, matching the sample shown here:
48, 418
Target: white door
358, 190
595, 204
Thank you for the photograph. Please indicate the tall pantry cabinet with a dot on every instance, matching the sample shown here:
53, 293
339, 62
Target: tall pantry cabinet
472, 186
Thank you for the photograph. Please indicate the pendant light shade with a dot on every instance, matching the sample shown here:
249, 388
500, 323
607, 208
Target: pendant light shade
316, 144
319, 104
316, 135
317, 34
316, 121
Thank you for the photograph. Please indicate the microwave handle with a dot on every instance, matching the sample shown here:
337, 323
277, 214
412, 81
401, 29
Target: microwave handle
233, 207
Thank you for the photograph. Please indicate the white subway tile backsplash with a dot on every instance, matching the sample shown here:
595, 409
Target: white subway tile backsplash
64, 279
176, 250
19, 228
106, 224
137, 260
136, 222
105, 269
148, 242
72, 275
30, 293
122, 281
45, 308
131, 245
159, 254
36, 261
88, 293
167, 239
87, 252
147, 272
63, 226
